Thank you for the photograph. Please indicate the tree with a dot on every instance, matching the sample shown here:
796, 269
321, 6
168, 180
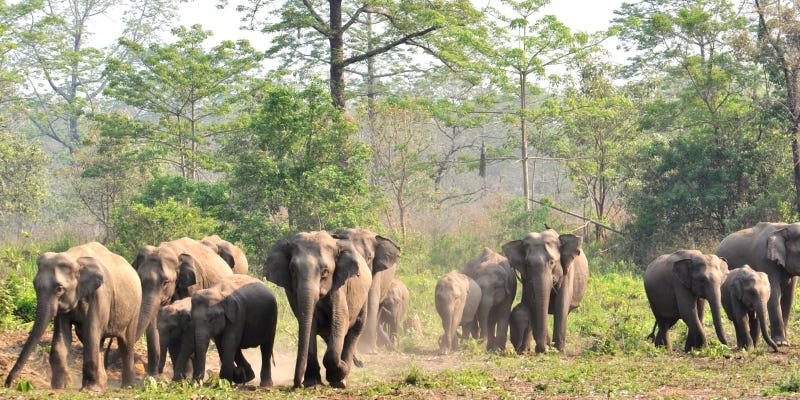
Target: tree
595, 138
297, 168
187, 95
64, 69
22, 175
527, 45
305, 30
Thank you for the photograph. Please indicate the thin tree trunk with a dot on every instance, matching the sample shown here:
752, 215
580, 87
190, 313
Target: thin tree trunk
337, 55
523, 81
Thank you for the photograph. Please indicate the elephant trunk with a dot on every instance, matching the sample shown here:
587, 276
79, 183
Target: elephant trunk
163, 360
761, 314
715, 302
306, 304
45, 312
336, 369
201, 340
147, 322
541, 286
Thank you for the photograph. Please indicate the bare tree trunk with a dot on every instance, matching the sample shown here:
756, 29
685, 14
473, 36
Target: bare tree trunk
523, 80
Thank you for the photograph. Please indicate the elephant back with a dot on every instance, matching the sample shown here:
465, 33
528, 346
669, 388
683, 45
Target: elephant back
211, 268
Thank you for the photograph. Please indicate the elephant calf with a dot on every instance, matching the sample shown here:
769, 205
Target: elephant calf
238, 313
176, 334
520, 329
745, 293
392, 310
457, 298
677, 286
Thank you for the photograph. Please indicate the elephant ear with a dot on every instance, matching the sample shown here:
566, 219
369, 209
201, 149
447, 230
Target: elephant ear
231, 309
682, 269
776, 247
226, 254
187, 272
348, 263
387, 253
141, 256
569, 247
515, 252
276, 268
90, 277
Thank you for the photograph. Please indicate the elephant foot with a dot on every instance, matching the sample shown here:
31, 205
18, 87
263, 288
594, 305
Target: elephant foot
781, 341
93, 388
312, 382
342, 384
358, 363
267, 383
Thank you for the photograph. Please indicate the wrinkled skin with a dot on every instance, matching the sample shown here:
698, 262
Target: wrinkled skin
238, 313
498, 288
677, 286
381, 256
392, 310
745, 293
233, 255
176, 334
327, 283
774, 249
169, 272
94, 290
556, 270
457, 298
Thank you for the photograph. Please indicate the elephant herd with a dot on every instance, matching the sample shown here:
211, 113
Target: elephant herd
751, 277
340, 286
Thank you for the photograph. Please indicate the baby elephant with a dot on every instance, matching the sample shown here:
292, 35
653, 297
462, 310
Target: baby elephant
520, 328
457, 300
393, 308
744, 297
176, 336
238, 313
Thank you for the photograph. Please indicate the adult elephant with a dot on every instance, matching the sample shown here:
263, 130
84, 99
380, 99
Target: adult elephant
98, 292
229, 252
381, 256
393, 308
677, 286
556, 270
744, 297
774, 249
456, 297
171, 271
238, 313
498, 285
327, 282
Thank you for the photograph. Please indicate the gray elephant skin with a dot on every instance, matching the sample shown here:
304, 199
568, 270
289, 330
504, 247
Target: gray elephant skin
99, 293
381, 256
176, 336
457, 298
393, 308
498, 285
555, 268
520, 328
232, 254
745, 293
173, 270
677, 286
327, 283
238, 313
774, 249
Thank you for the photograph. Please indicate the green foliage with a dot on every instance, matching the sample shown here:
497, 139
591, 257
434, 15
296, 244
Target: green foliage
515, 222
22, 175
137, 225
297, 168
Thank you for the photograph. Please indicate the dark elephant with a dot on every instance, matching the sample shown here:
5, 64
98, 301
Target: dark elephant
238, 313
457, 298
172, 271
774, 249
556, 270
381, 256
233, 255
392, 310
176, 335
520, 328
677, 286
745, 293
327, 282
498, 285
98, 293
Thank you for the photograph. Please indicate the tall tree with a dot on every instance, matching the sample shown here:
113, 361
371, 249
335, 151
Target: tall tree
186, 94
778, 27
60, 49
22, 175
320, 31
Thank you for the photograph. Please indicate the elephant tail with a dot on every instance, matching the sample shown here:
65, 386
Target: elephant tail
652, 334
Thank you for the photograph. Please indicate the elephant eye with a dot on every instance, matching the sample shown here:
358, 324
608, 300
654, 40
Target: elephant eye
324, 273
59, 290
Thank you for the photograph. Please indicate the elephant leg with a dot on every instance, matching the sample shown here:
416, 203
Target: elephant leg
687, 309
742, 326
125, 345
247, 370
94, 376
662, 334
349, 345
787, 301
755, 328
59, 349
313, 376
